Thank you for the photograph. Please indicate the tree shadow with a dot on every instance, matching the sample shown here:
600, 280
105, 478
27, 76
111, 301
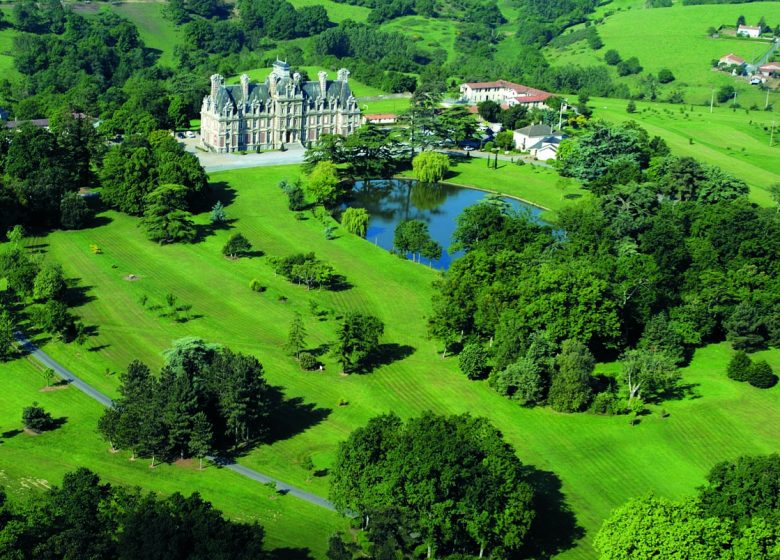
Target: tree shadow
388, 353
681, 392
288, 553
220, 191
99, 221
76, 295
319, 351
293, 416
339, 284
10, 434
555, 528
37, 247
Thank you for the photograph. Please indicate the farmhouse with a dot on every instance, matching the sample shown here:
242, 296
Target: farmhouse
770, 69
532, 134
503, 92
731, 60
380, 118
749, 31
282, 110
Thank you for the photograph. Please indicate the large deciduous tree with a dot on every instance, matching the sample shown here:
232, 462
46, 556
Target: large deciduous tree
358, 337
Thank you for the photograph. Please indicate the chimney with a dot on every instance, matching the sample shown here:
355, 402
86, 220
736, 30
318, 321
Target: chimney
323, 77
343, 75
216, 82
245, 87
272, 85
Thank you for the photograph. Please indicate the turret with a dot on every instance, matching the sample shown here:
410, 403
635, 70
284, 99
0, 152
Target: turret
216, 83
245, 88
323, 79
343, 75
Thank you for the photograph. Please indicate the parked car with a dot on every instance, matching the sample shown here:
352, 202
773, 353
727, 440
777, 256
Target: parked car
190, 134
469, 148
179, 135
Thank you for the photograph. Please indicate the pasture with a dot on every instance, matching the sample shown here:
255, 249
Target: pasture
676, 38
427, 33
736, 140
595, 462
32, 463
337, 12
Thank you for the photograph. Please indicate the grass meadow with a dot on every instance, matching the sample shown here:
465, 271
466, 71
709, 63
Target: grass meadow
336, 12
598, 462
676, 38
736, 140
427, 33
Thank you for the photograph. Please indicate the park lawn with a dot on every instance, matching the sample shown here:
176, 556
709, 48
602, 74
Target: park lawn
358, 88
676, 38
538, 185
735, 140
337, 12
156, 31
600, 461
29, 464
394, 106
429, 34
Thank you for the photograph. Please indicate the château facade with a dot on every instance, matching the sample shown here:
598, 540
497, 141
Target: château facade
282, 110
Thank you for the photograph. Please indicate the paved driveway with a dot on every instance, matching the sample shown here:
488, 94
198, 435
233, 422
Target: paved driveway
222, 162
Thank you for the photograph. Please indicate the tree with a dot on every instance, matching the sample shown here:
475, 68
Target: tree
358, 338
36, 418
665, 76
49, 283
7, 340
648, 374
740, 20
570, 390
218, 216
16, 235
489, 110
746, 328
521, 381
430, 167
631, 106
412, 236
612, 57
237, 245
725, 93
761, 375
201, 437
165, 218
296, 336
323, 183
296, 200
473, 361
338, 549
74, 212
505, 140
629, 66
739, 368
355, 221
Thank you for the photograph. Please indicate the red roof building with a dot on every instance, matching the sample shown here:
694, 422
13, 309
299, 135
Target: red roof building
731, 59
503, 92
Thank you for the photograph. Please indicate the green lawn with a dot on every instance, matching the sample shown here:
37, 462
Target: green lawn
428, 33
735, 140
337, 12
601, 461
676, 38
384, 106
156, 31
7, 68
358, 88
31, 463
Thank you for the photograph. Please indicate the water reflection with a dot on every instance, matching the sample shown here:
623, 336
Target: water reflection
389, 202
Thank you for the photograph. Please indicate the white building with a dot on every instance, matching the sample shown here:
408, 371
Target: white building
749, 31
504, 93
531, 134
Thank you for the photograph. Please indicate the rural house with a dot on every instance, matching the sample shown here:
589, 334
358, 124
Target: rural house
380, 118
282, 110
532, 134
769, 70
748, 31
546, 148
731, 60
503, 92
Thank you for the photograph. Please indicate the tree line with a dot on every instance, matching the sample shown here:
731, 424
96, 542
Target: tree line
88, 518
668, 255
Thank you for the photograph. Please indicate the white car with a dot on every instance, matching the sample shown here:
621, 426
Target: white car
190, 134
469, 148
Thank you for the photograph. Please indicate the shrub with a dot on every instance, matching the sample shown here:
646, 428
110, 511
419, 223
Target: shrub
739, 367
256, 286
36, 419
665, 76
631, 107
307, 361
607, 403
473, 361
612, 57
761, 375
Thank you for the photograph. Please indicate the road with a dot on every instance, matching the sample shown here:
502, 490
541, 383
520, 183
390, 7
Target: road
103, 399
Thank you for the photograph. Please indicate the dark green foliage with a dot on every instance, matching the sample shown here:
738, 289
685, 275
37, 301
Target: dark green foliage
665, 76
740, 366
358, 339
74, 212
631, 107
7, 349
306, 269
473, 361
746, 327
35, 418
761, 375
307, 361
521, 381
165, 218
612, 57
661, 335
412, 236
296, 337
49, 283
85, 518
206, 398
489, 110
434, 472
726, 93
218, 216
237, 245
570, 390
629, 66
296, 199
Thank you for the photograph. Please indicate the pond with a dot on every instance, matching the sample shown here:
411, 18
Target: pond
392, 201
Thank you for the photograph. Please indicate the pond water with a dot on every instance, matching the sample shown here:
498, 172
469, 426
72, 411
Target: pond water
392, 201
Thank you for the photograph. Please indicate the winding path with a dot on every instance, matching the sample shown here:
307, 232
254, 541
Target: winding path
42, 357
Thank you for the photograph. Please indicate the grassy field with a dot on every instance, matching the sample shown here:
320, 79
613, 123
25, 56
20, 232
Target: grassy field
31, 463
676, 38
156, 31
735, 140
600, 461
7, 68
358, 88
428, 33
336, 12
384, 106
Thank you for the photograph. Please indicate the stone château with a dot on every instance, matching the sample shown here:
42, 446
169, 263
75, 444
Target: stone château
283, 110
